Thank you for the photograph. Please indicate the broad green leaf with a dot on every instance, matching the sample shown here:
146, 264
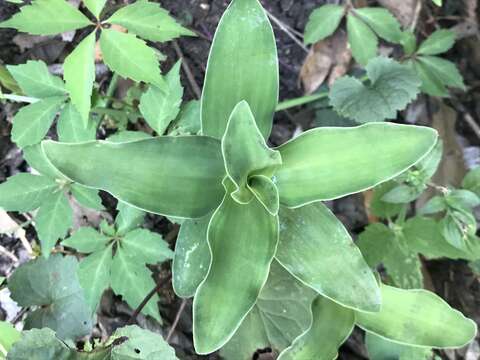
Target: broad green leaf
382, 349
242, 241
53, 220
439, 42
472, 181
86, 240
188, 121
193, 164
242, 65
41, 342
431, 84
79, 74
70, 127
8, 336
36, 81
95, 6
331, 326
131, 279
94, 276
444, 70
382, 22
461, 199
392, 87
160, 106
192, 256
31, 123
127, 136
266, 192
245, 152
419, 318
316, 248
374, 153
362, 40
47, 17
323, 22
146, 245
37, 160
401, 194
149, 21
52, 284
87, 197
128, 218
280, 315
25, 192
130, 57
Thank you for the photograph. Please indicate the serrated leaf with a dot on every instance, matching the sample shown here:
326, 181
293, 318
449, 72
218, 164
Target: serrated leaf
25, 192
188, 121
31, 123
52, 284
53, 220
431, 84
130, 57
128, 218
382, 22
131, 279
37, 160
95, 6
323, 22
147, 246
47, 17
36, 81
161, 106
79, 74
439, 42
444, 70
70, 127
362, 40
87, 197
392, 87
149, 21
86, 240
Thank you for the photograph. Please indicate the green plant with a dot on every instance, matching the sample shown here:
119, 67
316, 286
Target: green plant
248, 204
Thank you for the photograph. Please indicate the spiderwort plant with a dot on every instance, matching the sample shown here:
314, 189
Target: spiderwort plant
253, 203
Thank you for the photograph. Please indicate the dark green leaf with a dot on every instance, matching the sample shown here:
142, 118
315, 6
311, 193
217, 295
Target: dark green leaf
439, 42
362, 40
323, 22
444, 70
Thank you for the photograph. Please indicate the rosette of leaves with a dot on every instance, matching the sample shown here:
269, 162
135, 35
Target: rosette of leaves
117, 258
124, 53
250, 203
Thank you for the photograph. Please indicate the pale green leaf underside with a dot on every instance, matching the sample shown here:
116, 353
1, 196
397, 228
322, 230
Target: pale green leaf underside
242, 241
328, 163
323, 22
317, 249
242, 66
419, 318
175, 176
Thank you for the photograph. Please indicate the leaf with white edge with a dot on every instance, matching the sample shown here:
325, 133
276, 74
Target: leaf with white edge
392, 87
362, 40
382, 22
31, 123
127, 136
375, 153
161, 106
439, 42
87, 197
79, 74
445, 71
147, 245
25, 192
245, 152
149, 21
128, 218
94, 276
418, 318
52, 284
240, 265
47, 17
70, 127
37, 160
36, 81
242, 65
431, 84
192, 256
266, 192
382, 349
323, 22
328, 257
53, 220
331, 326
95, 6
130, 57
193, 163
86, 240
131, 279
8, 336
281, 314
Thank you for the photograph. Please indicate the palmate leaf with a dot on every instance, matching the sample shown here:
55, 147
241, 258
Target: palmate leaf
193, 164
95, 6
242, 65
128, 218
373, 153
240, 265
323, 22
47, 17
86, 240
149, 21
87, 197
383, 23
328, 257
392, 87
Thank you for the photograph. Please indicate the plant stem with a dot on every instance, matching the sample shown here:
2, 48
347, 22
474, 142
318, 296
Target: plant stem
287, 104
177, 319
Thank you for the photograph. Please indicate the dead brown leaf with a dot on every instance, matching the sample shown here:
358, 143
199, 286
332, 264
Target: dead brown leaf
328, 58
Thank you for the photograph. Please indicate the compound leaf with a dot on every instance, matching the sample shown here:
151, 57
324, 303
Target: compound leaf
70, 127
87, 197
323, 22
146, 245
444, 70
86, 240
431, 84
128, 218
362, 40
439, 42
382, 22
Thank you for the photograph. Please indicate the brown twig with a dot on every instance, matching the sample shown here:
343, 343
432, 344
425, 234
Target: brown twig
289, 31
176, 320
138, 310
186, 68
